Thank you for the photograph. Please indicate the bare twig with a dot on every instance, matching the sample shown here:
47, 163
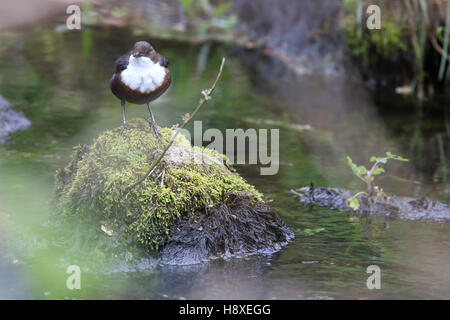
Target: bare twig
206, 96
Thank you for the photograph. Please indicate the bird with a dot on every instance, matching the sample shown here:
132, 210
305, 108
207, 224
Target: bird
140, 77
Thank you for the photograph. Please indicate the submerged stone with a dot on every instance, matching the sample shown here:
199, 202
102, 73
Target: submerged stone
193, 206
395, 208
10, 120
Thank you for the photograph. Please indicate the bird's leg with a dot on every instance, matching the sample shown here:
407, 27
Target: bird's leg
125, 125
153, 122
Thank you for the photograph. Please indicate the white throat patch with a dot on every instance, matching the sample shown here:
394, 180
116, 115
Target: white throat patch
143, 74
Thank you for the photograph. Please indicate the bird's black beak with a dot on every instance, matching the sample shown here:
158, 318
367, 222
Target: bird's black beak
137, 55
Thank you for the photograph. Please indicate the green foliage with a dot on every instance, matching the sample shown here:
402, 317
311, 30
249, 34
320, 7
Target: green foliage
445, 46
389, 155
389, 42
359, 171
203, 15
350, 4
222, 9
440, 32
368, 176
353, 203
186, 4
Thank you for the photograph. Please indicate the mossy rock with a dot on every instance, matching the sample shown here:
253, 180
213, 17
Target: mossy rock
191, 188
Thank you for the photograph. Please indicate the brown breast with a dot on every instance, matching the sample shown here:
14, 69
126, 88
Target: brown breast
123, 92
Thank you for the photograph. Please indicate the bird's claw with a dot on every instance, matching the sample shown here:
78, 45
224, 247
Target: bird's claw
152, 125
126, 127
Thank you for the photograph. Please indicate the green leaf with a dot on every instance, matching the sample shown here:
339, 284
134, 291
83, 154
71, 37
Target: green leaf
379, 159
440, 31
350, 162
186, 4
395, 157
377, 171
359, 171
222, 9
353, 203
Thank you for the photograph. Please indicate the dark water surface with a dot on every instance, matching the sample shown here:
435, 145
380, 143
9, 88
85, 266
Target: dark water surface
60, 82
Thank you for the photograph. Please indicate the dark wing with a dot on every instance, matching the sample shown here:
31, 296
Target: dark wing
121, 63
163, 61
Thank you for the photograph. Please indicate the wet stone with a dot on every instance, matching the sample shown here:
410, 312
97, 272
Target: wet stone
403, 208
10, 120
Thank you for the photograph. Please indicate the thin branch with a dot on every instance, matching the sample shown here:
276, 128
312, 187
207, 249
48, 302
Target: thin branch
206, 96
375, 165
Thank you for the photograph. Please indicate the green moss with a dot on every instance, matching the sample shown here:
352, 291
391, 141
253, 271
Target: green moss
388, 43
92, 189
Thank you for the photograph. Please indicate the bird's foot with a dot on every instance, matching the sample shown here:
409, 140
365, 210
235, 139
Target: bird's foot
152, 125
126, 127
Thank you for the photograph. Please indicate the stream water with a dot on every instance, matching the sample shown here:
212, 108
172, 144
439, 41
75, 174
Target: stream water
60, 83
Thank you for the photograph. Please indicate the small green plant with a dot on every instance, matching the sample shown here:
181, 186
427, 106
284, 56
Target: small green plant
203, 14
368, 177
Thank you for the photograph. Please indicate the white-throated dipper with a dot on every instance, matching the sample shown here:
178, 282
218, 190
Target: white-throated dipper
140, 77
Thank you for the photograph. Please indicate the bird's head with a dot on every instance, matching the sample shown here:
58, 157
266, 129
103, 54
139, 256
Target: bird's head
142, 53
142, 49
